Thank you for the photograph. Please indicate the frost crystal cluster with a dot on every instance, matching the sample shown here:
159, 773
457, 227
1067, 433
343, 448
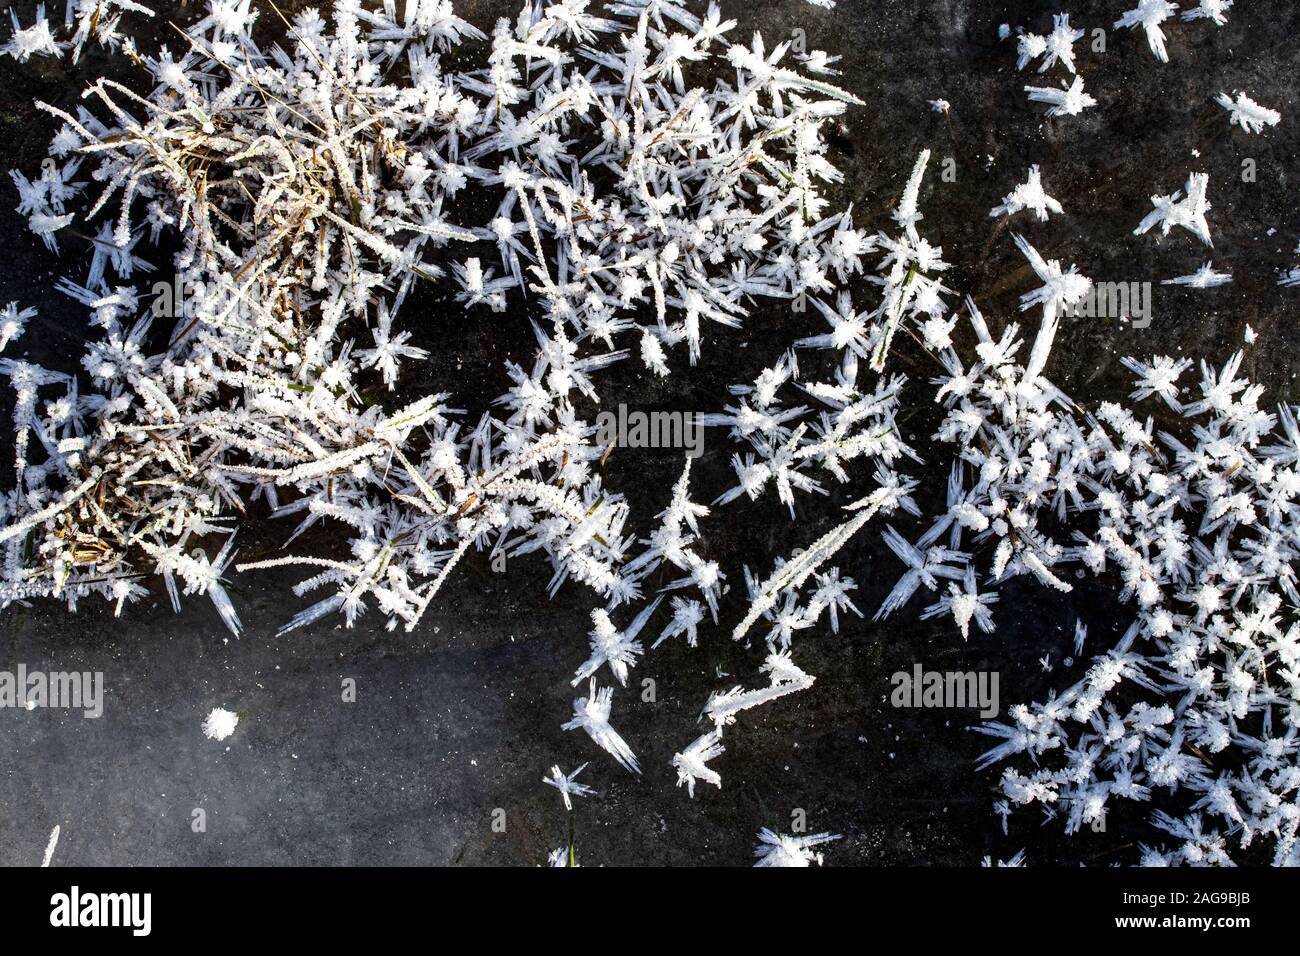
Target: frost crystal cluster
636, 177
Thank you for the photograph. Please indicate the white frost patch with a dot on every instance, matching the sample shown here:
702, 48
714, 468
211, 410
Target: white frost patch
781, 849
1248, 114
220, 724
49, 847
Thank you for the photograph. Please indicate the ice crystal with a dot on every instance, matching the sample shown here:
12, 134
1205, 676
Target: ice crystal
1246, 113
1186, 211
782, 849
1149, 15
567, 784
1063, 100
220, 724
1028, 195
